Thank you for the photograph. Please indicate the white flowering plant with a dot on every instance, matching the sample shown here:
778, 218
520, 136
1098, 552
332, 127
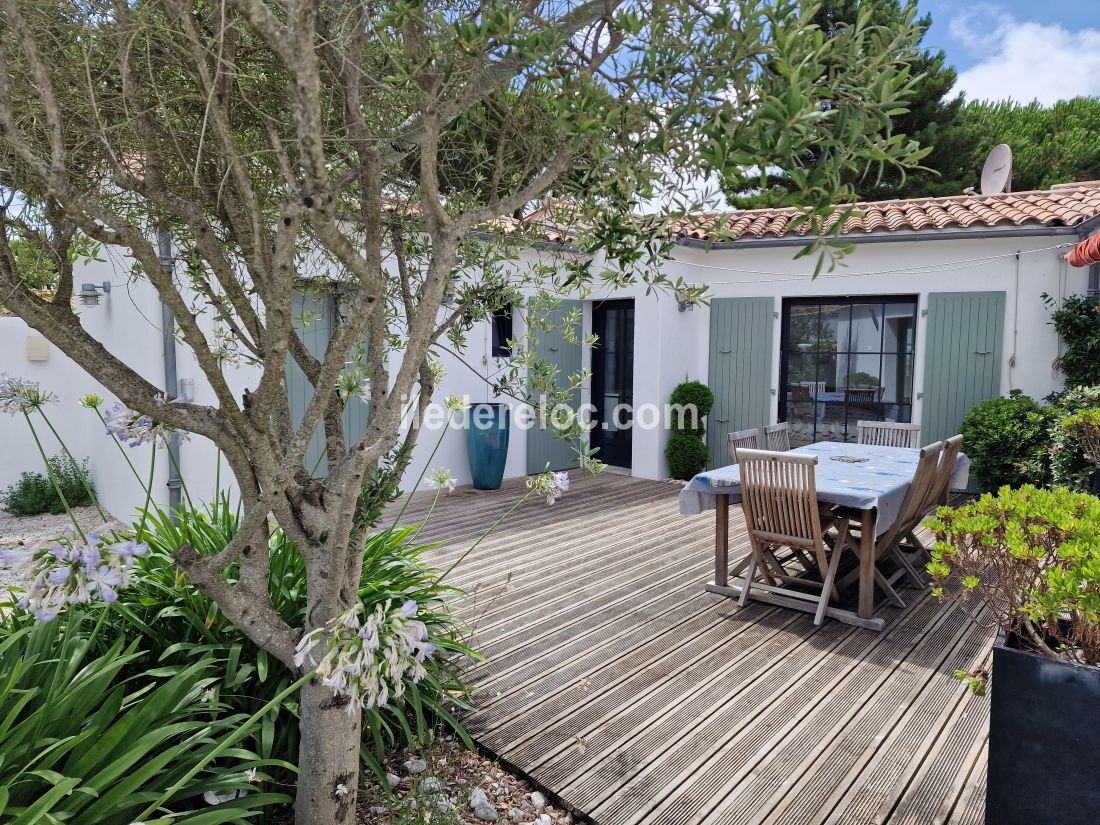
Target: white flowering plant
72, 570
368, 660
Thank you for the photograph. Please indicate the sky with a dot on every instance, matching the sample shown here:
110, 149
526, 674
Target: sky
1019, 49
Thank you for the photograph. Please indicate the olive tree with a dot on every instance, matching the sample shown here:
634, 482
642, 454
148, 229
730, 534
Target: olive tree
408, 150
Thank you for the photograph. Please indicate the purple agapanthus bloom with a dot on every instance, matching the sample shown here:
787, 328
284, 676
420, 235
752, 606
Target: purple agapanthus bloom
134, 429
19, 395
71, 572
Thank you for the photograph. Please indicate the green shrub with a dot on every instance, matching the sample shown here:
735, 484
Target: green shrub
692, 395
686, 454
1031, 558
1077, 323
173, 620
34, 493
1006, 439
862, 379
1068, 466
80, 741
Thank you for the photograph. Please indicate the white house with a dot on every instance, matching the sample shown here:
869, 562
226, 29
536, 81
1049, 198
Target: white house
938, 308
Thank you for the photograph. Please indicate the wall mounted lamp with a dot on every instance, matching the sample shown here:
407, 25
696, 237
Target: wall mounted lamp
89, 293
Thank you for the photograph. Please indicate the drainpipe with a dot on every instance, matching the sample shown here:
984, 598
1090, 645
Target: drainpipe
1094, 281
171, 378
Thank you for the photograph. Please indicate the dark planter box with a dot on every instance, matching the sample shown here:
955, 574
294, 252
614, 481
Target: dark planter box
1044, 740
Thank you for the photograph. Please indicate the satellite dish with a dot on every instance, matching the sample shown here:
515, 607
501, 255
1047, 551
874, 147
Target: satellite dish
997, 171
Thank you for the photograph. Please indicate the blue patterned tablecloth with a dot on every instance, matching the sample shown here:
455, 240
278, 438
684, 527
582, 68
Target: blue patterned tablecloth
881, 482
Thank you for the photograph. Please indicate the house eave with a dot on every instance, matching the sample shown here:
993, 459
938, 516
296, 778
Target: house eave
1082, 229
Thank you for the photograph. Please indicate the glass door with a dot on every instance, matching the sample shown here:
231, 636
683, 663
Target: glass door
846, 360
613, 381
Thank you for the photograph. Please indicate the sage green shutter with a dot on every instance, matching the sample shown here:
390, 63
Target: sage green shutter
316, 308
543, 448
964, 341
319, 309
740, 369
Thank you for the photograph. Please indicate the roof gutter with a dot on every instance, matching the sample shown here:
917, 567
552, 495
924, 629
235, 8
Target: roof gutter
902, 237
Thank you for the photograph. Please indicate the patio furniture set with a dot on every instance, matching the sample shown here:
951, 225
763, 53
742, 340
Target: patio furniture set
826, 516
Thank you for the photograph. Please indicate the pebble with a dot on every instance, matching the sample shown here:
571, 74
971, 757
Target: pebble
393, 779
544, 819
486, 813
377, 809
516, 815
430, 784
477, 798
537, 799
416, 765
442, 804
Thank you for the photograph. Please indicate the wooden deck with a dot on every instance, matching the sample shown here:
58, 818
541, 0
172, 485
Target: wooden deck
613, 680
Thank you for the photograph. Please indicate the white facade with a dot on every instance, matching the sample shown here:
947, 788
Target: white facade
669, 347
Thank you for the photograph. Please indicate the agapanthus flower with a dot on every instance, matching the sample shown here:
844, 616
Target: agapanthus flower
369, 659
19, 395
71, 571
550, 485
134, 429
91, 400
455, 403
437, 370
441, 479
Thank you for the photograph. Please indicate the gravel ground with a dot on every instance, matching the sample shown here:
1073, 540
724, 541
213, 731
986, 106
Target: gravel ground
447, 784
22, 531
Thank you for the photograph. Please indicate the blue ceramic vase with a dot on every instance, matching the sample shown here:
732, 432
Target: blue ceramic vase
487, 443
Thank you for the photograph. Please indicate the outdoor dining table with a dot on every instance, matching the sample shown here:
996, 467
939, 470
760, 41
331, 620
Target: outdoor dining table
875, 487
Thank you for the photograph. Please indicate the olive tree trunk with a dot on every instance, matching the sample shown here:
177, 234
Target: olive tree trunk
328, 758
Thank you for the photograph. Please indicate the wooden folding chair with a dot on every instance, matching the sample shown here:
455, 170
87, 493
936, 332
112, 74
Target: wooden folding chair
777, 437
749, 439
779, 496
888, 434
912, 512
937, 495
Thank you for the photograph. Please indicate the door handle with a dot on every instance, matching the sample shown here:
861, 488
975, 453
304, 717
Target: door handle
725, 351
981, 352
553, 349
722, 420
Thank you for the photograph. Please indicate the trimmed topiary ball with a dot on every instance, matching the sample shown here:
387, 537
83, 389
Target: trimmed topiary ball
688, 395
686, 454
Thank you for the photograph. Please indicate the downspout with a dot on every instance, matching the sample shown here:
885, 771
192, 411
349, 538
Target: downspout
1093, 290
171, 378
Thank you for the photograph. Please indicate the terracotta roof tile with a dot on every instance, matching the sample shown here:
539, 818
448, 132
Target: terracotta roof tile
1062, 205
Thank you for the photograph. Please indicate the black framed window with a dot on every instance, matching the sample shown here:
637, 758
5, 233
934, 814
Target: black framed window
846, 360
502, 333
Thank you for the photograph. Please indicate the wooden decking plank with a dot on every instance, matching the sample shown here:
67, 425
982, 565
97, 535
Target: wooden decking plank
847, 760
527, 535
606, 719
874, 792
593, 617
528, 525
739, 744
584, 654
970, 807
597, 601
693, 736
589, 568
945, 766
553, 724
558, 642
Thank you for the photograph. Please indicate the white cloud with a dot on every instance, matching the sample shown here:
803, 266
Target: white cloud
1023, 60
